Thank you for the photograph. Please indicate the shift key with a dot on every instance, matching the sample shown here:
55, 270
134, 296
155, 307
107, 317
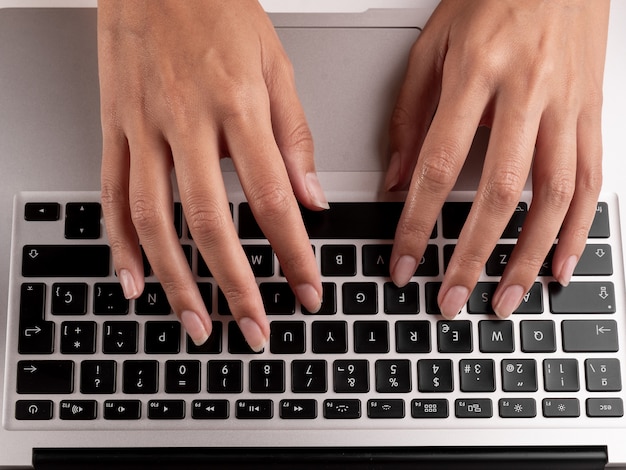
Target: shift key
43, 377
65, 261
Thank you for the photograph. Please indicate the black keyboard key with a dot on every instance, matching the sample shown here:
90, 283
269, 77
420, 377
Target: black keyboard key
166, 409
36, 338
432, 291
254, 409
32, 303
267, 376
33, 410
519, 375
600, 226
603, 375
385, 409
45, 377
278, 298
120, 337
371, 337
401, 300
338, 260
287, 337
98, 377
342, 409
538, 336
109, 299
477, 375
329, 300
78, 410
351, 376
454, 336
393, 376
499, 259
78, 337
434, 376
69, 299
178, 219
453, 217
561, 407
82, 220
210, 409
162, 337
344, 220
582, 297
376, 261
236, 342
590, 336
560, 375
413, 336
42, 211
473, 408
496, 336
428, 409
182, 376
66, 261
309, 376
517, 408
206, 292
480, 298
514, 227
152, 301
298, 409
225, 376
360, 298
140, 377
213, 345
329, 337
261, 259
122, 409
532, 302
605, 407
596, 260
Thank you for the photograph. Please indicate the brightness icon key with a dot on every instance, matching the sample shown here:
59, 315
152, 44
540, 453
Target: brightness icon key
517, 408
561, 408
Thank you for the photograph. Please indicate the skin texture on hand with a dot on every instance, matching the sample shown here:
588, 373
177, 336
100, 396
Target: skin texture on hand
184, 83
532, 71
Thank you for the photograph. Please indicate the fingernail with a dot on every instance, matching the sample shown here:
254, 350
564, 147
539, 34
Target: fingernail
509, 301
568, 270
253, 334
128, 284
308, 297
453, 301
393, 172
404, 270
315, 190
194, 327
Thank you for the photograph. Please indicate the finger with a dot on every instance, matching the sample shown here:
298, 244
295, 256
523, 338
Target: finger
439, 163
152, 214
121, 233
207, 211
293, 136
265, 181
554, 173
507, 165
413, 111
575, 229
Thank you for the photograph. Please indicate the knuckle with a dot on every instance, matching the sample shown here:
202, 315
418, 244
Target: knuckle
438, 171
299, 138
112, 194
468, 262
271, 201
502, 191
205, 220
559, 189
242, 300
146, 215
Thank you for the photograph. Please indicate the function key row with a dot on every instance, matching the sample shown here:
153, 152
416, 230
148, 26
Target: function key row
384, 408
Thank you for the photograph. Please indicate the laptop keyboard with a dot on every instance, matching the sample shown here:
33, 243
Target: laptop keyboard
79, 353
